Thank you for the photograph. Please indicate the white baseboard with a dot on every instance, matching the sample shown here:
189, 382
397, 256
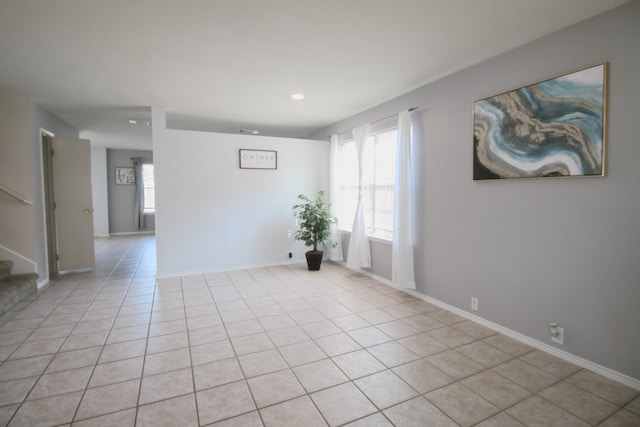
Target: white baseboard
230, 268
131, 233
587, 364
564, 355
21, 264
43, 282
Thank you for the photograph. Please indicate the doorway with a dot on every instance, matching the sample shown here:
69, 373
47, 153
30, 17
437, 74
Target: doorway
49, 204
68, 204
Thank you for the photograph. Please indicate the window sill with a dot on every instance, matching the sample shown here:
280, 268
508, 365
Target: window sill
382, 240
373, 238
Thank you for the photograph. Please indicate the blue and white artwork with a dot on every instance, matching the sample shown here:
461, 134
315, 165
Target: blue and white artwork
552, 128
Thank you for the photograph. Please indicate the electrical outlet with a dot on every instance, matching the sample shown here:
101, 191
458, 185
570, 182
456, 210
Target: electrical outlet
559, 338
474, 303
290, 254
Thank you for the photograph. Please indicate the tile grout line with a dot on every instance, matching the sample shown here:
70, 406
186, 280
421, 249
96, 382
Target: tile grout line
104, 344
144, 356
326, 295
25, 400
49, 363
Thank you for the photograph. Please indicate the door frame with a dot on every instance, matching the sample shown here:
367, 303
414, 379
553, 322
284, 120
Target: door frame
47, 203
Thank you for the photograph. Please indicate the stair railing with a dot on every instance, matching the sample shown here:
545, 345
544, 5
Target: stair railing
16, 195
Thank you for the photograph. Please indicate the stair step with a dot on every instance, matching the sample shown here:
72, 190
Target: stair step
14, 288
5, 268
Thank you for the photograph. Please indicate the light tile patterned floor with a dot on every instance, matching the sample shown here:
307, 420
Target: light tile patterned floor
277, 346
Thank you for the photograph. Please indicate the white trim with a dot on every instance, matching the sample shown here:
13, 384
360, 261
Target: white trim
381, 240
372, 238
564, 355
372, 275
21, 264
232, 268
130, 233
43, 185
571, 358
43, 282
15, 195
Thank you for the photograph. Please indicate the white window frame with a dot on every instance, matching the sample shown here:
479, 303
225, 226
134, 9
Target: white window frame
147, 210
374, 233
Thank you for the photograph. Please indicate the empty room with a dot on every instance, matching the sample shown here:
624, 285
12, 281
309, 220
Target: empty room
319, 213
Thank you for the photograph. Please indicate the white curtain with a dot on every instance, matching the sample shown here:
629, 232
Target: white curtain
335, 253
359, 255
402, 272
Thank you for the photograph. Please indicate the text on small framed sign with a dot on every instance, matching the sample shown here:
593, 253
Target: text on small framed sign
125, 176
258, 159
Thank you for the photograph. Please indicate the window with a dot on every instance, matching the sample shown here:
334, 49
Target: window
148, 185
379, 170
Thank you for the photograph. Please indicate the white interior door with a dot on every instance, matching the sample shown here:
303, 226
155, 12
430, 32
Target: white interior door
73, 203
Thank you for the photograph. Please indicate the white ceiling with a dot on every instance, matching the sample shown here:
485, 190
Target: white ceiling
221, 65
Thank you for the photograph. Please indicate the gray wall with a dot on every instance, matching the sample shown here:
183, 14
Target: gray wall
380, 255
43, 119
535, 251
122, 197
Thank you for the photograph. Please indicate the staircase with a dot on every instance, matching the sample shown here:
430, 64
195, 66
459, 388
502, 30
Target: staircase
14, 287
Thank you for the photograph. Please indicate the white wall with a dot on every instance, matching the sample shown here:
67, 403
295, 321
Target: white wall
541, 250
211, 215
99, 191
16, 218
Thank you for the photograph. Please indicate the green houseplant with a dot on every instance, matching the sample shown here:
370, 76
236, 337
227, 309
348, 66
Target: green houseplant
314, 220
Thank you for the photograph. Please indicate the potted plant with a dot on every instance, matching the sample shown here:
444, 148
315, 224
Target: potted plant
315, 226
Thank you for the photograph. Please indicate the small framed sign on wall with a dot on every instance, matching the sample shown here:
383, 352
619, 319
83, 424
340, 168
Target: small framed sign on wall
125, 176
258, 159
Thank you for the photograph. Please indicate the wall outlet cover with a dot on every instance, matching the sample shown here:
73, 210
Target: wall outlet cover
560, 338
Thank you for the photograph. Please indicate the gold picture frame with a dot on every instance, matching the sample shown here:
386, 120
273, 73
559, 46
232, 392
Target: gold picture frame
553, 128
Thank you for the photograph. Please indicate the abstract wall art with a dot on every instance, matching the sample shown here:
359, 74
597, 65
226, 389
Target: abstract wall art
554, 128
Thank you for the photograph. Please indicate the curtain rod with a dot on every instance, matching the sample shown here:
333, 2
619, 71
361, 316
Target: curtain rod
379, 120
393, 115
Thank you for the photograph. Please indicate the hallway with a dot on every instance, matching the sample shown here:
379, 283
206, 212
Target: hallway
277, 346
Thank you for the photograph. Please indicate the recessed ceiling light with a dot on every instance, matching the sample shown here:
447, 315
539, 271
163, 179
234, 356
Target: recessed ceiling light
297, 96
251, 131
140, 122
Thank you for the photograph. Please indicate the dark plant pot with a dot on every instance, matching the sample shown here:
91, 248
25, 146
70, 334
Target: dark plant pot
314, 259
